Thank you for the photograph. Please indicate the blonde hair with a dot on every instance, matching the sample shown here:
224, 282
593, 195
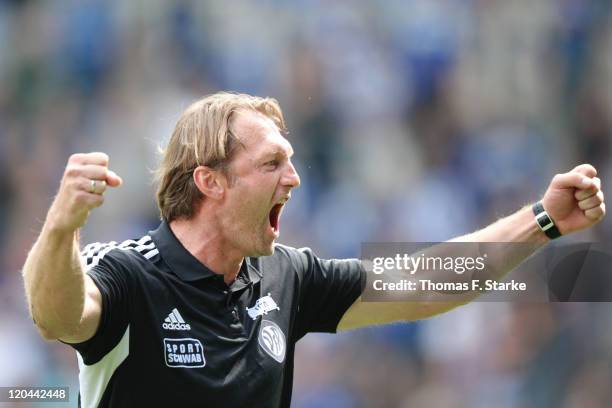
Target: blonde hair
203, 137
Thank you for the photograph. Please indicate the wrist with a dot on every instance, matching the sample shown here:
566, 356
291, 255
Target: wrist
544, 221
58, 230
534, 232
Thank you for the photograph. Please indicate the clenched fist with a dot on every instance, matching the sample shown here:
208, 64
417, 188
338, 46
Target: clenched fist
574, 200
83, 185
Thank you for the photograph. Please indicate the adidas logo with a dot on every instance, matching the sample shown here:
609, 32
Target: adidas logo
175, 321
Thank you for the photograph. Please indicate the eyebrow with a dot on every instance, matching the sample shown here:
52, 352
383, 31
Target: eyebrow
277, 151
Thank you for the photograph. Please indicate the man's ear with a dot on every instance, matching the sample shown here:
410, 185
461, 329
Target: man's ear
210, 182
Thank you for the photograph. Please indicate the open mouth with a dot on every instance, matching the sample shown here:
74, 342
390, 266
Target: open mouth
274, 217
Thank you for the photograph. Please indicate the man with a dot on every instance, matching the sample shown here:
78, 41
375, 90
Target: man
206, 310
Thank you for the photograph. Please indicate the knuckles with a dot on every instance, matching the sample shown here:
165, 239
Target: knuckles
85, 158
72, 170
103, 157
597, 213
76, 158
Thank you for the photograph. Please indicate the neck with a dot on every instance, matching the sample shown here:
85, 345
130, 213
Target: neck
203, 240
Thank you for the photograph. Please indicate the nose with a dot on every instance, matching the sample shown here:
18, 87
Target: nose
291, 177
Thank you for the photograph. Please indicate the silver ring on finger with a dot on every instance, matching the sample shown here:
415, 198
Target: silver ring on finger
92, 187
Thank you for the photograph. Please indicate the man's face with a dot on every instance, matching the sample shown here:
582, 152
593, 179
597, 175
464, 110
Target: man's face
263, 177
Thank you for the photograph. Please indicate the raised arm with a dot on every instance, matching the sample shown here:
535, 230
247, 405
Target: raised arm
64, 302
574, 201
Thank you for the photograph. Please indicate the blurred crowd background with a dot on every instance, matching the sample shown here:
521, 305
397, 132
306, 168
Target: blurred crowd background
412, 120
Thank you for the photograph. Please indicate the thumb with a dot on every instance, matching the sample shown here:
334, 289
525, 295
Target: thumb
112, 179
585, 169
571, 180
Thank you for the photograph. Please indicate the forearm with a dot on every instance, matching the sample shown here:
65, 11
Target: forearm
54, 282
504, 244
518, 227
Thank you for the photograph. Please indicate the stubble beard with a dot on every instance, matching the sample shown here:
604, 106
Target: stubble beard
256, 243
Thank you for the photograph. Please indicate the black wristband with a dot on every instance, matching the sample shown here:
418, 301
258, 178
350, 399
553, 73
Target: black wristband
546, 224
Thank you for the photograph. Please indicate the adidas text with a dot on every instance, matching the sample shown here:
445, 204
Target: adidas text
176, 326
